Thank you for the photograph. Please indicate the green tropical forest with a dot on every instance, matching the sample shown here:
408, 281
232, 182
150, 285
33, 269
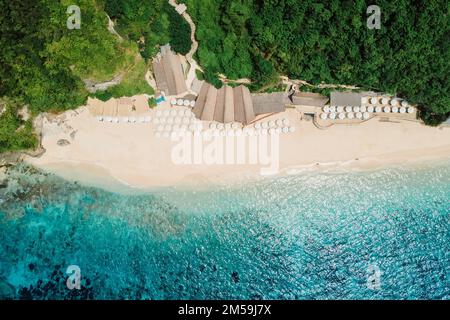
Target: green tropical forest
327, 41
44, 65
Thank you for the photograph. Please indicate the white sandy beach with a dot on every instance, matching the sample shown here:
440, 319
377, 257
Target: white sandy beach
105, 154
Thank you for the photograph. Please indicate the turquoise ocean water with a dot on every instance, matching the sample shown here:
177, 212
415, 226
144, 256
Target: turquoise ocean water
308, 236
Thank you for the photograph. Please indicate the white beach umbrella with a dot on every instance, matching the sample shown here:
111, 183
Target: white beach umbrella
411, 109
186, 120
358, 115
166, 113
177, 120
220, 126
385, 101
205, 133
363, 109
387, 109
251, 132
291, 129
394, 109
108, 119
199, 126
323, 116
173, 112
264, 125
213, 126
378, 109
228, 126
366, 115
278, 130
356, 109
279, 122
373, 100
326, 109
264, 131
257, 125
363, 100
402, 110
230, 132
180, 102
350, 115
183, 127
271, 124
192, 103
216, 133
170, 120
404, 103
192, 127
235, 125
332, 109
188, 113
160, 128
370, 109
238, 132
348, 109
285, 122
332, 115
341, 116
99, 118
186, 103
168, 128
394, 102
285, 130
340, 109
272, 131
181, 113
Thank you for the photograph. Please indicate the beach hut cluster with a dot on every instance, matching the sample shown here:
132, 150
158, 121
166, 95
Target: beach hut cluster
386, 105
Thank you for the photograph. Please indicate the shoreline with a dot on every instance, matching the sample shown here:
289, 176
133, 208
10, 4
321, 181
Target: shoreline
93, 175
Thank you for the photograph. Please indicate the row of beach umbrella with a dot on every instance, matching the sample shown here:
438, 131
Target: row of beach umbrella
343, 115
166, 132
182, 102
182, 116
369, 109
272, 124
132, 119
385, 101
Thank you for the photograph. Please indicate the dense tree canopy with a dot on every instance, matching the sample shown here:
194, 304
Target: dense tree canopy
328, 41
150, 23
